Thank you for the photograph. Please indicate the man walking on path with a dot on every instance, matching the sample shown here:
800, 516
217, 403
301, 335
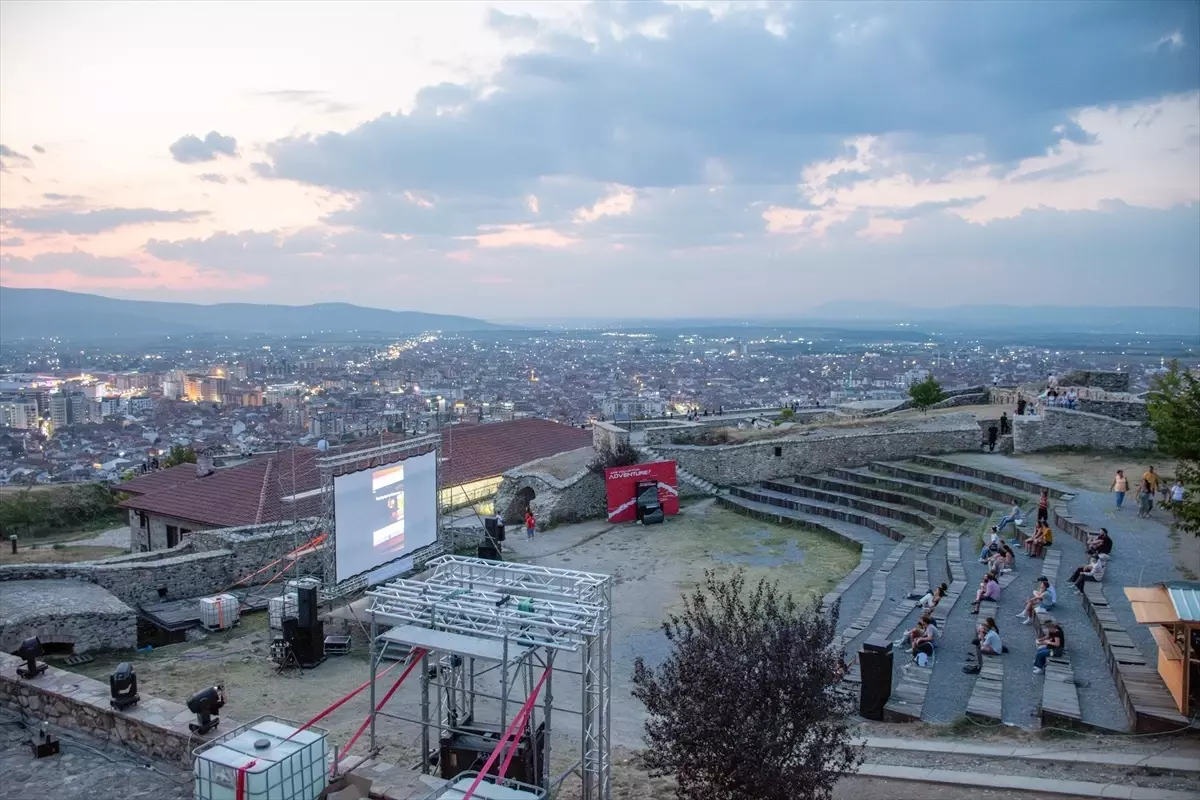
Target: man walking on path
1120, 486
530, 523
1151, 477
993, 432
1005, 424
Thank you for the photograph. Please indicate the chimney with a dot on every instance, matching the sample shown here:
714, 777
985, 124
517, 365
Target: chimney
204, 464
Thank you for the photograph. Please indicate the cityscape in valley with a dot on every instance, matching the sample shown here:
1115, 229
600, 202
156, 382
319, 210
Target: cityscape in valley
88, 410
600, 400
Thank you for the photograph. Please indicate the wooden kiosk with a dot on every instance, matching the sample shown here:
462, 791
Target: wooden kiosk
1172, 610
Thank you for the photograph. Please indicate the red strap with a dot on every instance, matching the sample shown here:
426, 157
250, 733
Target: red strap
241, 780
415, 658
508, 734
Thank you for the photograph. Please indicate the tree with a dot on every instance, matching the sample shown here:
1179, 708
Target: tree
179, 455
1173, 408
786, 415
750, 674
925, 393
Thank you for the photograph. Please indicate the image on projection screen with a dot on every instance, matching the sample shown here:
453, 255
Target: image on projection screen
384, 513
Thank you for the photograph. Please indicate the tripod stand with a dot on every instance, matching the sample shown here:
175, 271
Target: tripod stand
285, 658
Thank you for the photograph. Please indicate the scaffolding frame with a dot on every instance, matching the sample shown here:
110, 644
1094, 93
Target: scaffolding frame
470, 616
344, 463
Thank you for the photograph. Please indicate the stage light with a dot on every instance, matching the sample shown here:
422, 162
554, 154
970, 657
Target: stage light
206, 704
122, 685
31, 650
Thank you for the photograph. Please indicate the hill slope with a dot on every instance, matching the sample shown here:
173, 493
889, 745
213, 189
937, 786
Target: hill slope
27, 313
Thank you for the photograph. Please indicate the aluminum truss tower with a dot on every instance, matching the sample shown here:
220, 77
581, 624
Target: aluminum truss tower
348, 461
517, 618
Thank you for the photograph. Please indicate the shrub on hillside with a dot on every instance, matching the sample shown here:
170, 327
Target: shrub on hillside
1173, 407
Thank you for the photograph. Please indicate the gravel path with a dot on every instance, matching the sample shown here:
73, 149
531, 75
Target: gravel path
115, 537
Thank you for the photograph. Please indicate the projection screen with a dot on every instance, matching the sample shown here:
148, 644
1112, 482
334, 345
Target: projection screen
384, 513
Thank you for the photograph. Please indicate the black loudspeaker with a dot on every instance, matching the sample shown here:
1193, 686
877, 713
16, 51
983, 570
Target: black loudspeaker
290, 626
494, 528
309, 645
875, 662
488, 551
306, 607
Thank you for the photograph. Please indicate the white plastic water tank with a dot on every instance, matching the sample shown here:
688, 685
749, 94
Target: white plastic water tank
279, 607
273, 767
219, 612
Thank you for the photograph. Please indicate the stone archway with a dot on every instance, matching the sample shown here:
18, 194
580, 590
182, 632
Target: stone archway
514, 514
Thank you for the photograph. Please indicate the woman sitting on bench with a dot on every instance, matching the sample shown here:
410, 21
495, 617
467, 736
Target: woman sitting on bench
1035, 546
931, 598
989, 589
1052, 643
1003, 561
1044, 598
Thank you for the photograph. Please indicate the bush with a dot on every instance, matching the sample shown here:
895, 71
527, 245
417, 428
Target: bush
623, 455
747, 674
58, 508
1173, 407
926, 393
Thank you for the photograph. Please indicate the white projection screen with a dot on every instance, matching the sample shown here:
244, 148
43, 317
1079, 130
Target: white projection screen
384, 513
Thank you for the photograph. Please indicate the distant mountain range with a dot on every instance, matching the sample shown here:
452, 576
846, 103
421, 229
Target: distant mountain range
856, 315
35, 313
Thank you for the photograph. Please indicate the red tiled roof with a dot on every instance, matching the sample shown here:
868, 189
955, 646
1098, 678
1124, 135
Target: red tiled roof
253, 492
485, 451
156, 481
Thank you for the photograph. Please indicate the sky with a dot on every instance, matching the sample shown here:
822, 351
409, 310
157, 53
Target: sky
516, 160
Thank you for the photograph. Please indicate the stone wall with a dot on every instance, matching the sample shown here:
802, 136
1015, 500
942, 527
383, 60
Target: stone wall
817, 450
206, 564
1108, 381
1124, 410
606, 435
581, 496
978, 395
1059, 428
65, 612
687, 432
154, 728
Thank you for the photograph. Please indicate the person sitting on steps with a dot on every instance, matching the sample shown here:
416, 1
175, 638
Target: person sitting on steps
931, 598
989, 589
1003, 561
1090, 572
987, 642
991, 544
925, 639
1100, 543
1010, 519
1043, 537
1052, 642
1044, 597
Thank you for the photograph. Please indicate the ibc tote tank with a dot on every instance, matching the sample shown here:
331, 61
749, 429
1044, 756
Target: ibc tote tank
274, 767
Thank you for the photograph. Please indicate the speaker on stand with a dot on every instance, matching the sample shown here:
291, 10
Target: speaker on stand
875, 664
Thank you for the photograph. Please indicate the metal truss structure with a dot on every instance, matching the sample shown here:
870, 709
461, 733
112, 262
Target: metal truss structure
342, 463
471, 616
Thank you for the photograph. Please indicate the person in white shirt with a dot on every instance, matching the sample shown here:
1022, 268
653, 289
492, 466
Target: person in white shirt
991, 544
1177, 493
1092, 572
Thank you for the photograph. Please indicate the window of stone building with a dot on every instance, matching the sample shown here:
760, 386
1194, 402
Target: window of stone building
779, 452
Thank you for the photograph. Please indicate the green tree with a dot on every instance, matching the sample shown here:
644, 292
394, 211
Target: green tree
179, 454
1173, 407
786, 415
748, 673
925, 393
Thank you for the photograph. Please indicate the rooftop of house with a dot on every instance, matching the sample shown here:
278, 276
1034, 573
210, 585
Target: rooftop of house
261, 490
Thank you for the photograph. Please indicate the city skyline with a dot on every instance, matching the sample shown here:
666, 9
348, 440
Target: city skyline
512, 160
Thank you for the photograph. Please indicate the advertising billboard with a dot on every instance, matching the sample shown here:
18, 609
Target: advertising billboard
621, 484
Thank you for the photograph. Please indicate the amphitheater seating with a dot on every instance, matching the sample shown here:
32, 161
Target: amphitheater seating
1148, 703
987, 695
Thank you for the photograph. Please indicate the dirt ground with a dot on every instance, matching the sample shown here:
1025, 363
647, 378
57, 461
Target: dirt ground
56, 555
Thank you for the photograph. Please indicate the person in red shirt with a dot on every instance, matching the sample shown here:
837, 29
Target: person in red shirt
530, 523
1043, 513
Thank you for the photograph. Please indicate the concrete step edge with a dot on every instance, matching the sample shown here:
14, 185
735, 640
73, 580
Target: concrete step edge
1171, 763
1020, 783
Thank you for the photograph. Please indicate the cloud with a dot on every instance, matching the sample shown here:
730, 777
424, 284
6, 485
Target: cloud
7, 154
311, 98
75, 261
56, 197
78, 270
512, 25
616, 106
12, 241
57, 220
193, 150
37, 148
212, 177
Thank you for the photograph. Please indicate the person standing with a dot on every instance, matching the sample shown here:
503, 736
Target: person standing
1119, 487
1177, 493
1145, 498
993, 432
1151, 477
1020, 406
1005, 424
1043, 515
530, 523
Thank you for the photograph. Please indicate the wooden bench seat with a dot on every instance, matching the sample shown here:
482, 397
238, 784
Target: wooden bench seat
1060, 696
987, 696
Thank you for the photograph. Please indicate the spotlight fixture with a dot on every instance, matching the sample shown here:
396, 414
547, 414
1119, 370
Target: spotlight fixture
122, 685
206, 705
31, 650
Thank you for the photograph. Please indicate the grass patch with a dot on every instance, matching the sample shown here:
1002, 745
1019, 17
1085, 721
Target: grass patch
58, 554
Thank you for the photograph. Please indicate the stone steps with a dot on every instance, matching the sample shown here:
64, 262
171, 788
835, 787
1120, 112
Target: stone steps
896, 511
959, 483
888, 528
991, 476
683, 476
937, 513
861, 475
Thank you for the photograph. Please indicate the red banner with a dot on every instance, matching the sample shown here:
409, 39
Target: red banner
622, 483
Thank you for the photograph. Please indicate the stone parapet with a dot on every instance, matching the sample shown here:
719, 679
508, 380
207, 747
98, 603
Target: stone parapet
1124, 410
1060, 428
154, 728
